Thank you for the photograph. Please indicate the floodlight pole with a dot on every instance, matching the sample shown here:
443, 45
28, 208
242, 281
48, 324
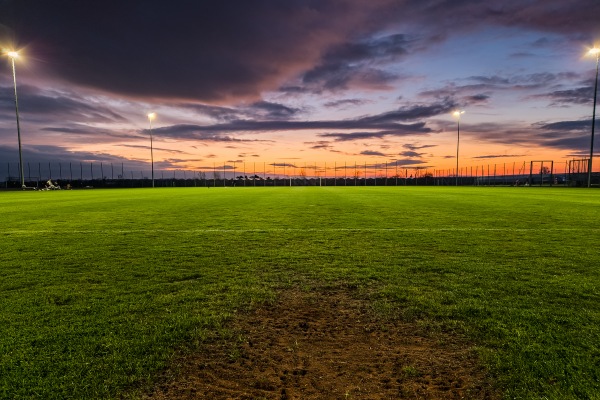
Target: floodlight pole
457, 146
151, 116
12, 56
457, 114
590, 163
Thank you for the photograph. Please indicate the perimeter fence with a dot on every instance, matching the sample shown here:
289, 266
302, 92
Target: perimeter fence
121, 175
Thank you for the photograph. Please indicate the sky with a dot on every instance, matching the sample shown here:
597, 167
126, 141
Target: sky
298, 82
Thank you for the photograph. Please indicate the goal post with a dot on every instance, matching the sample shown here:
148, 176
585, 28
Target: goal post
541, 172
577, 173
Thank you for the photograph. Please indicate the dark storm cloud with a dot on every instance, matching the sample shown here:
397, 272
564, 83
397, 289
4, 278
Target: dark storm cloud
562, 135
407, 162
410, 113
568, 126
477, 99
350, 64
388, 123
344, 103
268, 110
37, 157
399, 130
411, 154
258, 110
320, 145
35, 103
200, 132
582, 95
578, 19
210, 50
572, 143
87, 134
478, 88
134, 146
499, 156
281, 165
372, 153
351, 136
417, 146
214, 50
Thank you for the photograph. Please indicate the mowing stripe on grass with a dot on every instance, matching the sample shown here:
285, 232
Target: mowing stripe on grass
88, 231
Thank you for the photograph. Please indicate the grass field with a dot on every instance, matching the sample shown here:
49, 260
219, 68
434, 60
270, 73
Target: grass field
98, 288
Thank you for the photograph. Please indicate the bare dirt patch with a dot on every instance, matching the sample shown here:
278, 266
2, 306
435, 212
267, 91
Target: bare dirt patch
328, 345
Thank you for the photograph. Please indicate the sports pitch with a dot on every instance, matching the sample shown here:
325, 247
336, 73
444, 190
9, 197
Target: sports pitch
99, 288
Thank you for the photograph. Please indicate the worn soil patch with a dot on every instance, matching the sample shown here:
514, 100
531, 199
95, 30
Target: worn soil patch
328, 345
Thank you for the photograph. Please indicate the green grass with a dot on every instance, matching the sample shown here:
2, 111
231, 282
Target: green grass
99, 288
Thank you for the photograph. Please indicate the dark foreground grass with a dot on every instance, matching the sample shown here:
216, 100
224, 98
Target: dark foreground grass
99, 288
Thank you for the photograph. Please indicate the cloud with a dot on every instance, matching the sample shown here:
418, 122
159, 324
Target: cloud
380, 125
344, 103
38, 104
351, 64
499, 156
442, 18
372, 153
281, 165
133, 146
211, 51
567, 126
563, 135
268, 110
582, 95
402, 163
400, 130
200, 132
320, 145
43, 161
411, 154
257, 110
417, 146
479, 89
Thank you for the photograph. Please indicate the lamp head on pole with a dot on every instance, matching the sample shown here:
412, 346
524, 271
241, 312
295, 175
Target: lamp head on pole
13, 54
458, 113
595, 51
151, 116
